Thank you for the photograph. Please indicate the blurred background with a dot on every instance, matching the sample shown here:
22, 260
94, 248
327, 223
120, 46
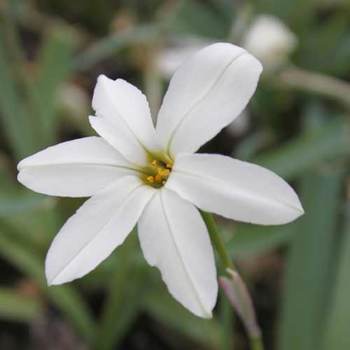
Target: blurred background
297, 124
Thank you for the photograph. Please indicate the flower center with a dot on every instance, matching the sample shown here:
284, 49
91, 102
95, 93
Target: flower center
157, 173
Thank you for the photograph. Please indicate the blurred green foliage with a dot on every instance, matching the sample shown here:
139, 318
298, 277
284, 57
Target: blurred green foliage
302, 134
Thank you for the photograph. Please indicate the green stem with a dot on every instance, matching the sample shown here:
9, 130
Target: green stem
242, 20
151, 78
217, 241
256, 343
255, 340
316, 83
227, 321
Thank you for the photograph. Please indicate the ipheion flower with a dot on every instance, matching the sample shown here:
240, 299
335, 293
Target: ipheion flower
136, 173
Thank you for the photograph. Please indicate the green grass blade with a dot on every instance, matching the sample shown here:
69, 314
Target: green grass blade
18, 255
123, 299
69, 301
337, 331
309, 149
17, 307
108, 46
54, 67
17, 203
308, 273
164, 309
249, 239
15, 120
227, 322
66, 298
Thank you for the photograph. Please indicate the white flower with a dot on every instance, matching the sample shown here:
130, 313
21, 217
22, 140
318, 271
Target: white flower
136, 173
269, 39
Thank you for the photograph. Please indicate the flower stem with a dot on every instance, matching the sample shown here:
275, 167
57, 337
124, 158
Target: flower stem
256, 343
217, 241
317, 83
151, 78
255, 339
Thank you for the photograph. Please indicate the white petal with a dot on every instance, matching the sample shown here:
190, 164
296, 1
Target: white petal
98, 227
206, 94
77, 168
234, 189
123, 118
174, 238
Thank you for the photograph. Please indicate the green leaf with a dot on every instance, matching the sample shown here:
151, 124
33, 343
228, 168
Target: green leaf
161, 306
32, 222
309, 150
15, 200
337, 331
110, 45
206, 19
19, 255
250, 240
308, 274
325, 40
297, 14
127, 282
227, 322
17, 307
20, 202
71, 303
54, 67
16, 122
66, 298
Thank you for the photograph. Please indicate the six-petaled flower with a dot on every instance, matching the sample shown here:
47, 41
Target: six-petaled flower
136, 173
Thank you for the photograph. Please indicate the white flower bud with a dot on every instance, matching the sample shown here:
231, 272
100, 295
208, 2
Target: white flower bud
270, 40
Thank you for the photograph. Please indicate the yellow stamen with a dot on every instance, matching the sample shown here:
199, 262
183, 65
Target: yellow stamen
163, 172
157, 172
150, 179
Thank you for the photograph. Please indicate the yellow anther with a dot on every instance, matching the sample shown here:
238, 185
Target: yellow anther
163, 172
150, 179
157, 172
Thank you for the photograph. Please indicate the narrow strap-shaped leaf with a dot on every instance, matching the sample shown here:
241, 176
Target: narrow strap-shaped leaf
18, 202
17, 307
337, 330
248, 239
54, 67
66, 298
108, 46
308, 270
309, 149
15, 121
126, 283
173, 316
